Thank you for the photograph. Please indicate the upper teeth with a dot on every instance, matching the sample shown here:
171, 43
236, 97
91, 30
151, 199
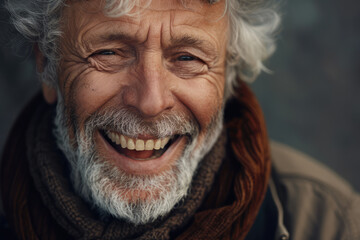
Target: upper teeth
137, 144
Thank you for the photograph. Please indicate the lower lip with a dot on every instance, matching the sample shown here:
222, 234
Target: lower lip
141, 167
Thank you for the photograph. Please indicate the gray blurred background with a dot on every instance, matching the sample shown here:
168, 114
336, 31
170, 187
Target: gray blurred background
311, 101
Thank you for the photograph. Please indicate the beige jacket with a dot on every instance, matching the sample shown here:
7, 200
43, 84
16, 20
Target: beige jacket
313, 203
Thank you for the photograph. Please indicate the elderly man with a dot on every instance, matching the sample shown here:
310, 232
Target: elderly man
146, 129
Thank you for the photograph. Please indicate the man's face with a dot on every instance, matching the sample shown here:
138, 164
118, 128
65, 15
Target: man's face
143, 92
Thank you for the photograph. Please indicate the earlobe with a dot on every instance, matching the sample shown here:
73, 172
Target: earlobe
49, 93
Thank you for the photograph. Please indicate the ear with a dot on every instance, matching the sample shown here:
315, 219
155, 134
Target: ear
49, 93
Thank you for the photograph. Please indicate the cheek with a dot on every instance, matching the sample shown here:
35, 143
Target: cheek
202, 97
92, 91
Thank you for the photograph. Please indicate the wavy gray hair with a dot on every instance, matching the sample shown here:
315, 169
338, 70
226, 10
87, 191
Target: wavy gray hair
253, 24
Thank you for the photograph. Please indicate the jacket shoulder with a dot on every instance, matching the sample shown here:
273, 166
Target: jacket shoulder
318, 204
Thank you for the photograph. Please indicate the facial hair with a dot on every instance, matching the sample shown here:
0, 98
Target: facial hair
138, 199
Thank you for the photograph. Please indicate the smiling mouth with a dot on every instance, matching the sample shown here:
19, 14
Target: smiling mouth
138, 148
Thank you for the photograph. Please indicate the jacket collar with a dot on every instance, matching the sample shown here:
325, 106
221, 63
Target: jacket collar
270, 218
281, 231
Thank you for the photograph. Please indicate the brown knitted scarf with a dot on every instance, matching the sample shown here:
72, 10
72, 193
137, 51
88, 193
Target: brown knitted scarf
40, 203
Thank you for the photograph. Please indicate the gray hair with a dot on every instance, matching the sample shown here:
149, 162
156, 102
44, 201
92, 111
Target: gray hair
252, 25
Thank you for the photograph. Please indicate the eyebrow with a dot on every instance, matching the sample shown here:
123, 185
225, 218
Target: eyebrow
185, 40
175, 41
116, 37
96, 40
193, 41
188, 40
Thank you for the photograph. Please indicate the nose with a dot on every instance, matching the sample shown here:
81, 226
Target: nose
151, 92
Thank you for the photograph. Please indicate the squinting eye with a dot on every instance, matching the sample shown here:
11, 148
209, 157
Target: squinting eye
185, 58
106, 52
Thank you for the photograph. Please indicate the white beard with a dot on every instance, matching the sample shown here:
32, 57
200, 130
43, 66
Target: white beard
112, 191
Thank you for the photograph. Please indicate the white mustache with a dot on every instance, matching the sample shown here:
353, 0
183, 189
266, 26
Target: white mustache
132, 124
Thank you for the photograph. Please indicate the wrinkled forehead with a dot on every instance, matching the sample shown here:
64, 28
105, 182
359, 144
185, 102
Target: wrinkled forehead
81, 16
116, 8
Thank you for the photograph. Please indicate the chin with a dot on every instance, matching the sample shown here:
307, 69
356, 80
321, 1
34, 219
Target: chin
137, 198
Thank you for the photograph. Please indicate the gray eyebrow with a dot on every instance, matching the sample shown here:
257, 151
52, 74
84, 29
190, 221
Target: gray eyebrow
105, 38
188, 40
116, 37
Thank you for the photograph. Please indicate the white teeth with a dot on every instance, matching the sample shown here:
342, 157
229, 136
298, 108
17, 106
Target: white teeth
137, 144
117, 139
149, 145
123, 141
130, 144
157, 144
112, 137
140, 145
